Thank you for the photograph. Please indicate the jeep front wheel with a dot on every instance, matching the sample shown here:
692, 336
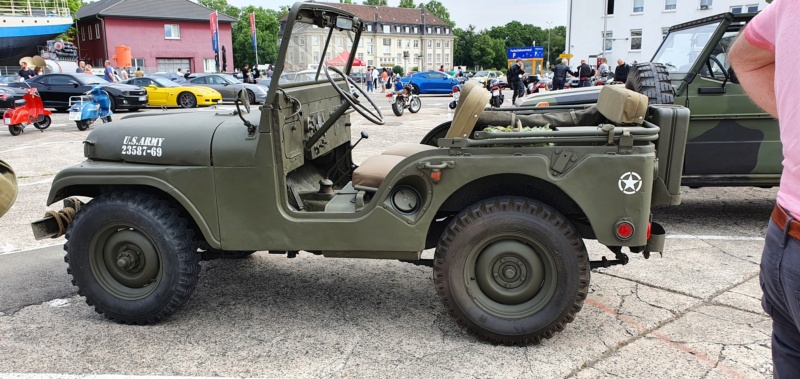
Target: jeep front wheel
511, 270
132, 257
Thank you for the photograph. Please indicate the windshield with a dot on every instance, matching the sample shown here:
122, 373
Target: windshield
307, 52
230, 79
482, 73
681, 48
87, 79
163, 82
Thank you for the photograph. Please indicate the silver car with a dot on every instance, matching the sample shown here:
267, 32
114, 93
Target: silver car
229, 86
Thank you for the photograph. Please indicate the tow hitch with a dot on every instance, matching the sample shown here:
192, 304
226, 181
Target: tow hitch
55, 224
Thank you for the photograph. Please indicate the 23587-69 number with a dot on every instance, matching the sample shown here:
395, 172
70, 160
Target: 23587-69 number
141, 151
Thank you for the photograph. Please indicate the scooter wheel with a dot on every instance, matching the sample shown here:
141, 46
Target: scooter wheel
15, 130
106, 119
82, 125
43, 123
452, 105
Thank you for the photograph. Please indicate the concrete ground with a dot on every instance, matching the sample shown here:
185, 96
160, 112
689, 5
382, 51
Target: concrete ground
692, 313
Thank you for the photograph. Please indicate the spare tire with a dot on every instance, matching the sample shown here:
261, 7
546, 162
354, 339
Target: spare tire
652, 80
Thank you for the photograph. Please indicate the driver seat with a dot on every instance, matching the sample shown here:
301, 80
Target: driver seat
371, 174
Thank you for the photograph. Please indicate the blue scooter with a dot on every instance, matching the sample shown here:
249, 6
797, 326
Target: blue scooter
84, 110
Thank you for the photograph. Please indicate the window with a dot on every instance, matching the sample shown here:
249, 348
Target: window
428, 30
97, 31
610, 7
369, 62
438, 58
369, 27
608, 43
638, 6
447, 44
209, 65
387, 29
705, 4
438, 43
416, 58
636, 39
361, 56
752, 8
406, 29
447, 58
416, 30
430, 44
387, 46
670, 5
316, 56
416, 43
90, 32
83, 36
430, 58
139, 62
315, 40
399, 42
446, 31
172, 31
399, 57
337, 39
302, 41
408, 43
387, 42
397, 29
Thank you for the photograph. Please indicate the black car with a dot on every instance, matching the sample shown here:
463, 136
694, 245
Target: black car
8, 95
56, 90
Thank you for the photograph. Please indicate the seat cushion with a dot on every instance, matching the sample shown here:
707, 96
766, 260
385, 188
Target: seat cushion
8, 187
373, 171
407, 149
621, 105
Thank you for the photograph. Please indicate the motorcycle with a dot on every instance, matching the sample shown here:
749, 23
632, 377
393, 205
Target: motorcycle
494, 87
404, 97
535, 84
605, 77
29, 110
84, 110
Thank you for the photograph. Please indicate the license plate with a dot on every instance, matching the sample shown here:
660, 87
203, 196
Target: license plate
74, 116
142, 98
394, 99
496, 93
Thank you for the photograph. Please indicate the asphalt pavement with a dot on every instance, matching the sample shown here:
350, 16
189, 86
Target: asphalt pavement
692, 313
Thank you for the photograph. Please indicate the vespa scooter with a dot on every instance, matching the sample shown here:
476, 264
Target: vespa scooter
84, 110
29, 110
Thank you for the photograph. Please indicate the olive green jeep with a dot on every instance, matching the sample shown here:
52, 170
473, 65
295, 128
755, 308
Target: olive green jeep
506, 212
732, 142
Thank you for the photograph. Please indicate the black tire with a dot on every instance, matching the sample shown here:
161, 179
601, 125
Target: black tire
15, 130
251, 97
134, 109
187, 100
453, 104
511, 270
440, 131
652, 80
61, 110
82, 125
398, 108
43, 123
153, 242
112, 104
106, 119
416, 105
212, 254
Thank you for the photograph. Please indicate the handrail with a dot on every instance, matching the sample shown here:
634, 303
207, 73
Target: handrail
34, 8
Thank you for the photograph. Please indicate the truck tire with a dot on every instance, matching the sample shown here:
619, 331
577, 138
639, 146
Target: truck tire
652, 80
132, 257
511, 270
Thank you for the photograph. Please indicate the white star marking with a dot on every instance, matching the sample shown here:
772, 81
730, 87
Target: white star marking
630, 183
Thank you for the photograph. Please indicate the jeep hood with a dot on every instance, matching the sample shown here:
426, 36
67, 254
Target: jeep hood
181, 139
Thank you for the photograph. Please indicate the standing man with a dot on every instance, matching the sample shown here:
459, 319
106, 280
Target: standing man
602, 68
246, 73
514, 77
269, 72
622, 70
24, 72
139, 73
585, 73
560, 75
768, 49
108, 73
124, 73
369, 79
81, 67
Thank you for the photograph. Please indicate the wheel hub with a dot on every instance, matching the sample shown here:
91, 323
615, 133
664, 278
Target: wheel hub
127, 263
509, 272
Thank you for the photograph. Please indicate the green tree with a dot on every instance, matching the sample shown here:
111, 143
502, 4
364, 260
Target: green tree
483, 51
379, 3
407, 4
398, 70
439, 10
345, 1
462, 46
266, 36
222, 6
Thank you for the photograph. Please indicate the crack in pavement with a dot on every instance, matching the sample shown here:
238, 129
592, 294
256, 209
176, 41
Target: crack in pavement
10, 312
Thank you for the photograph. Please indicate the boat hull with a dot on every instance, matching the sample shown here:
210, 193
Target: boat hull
23, 35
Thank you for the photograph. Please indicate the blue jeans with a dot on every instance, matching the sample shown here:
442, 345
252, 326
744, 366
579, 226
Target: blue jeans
780, 281
369, 85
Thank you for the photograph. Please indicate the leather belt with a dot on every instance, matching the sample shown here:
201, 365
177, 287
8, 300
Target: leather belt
779, 217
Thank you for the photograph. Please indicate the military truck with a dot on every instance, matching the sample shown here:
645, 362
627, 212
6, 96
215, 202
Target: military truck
732, 142
507, 212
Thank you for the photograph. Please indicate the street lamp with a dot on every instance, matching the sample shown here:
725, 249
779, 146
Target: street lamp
549, 23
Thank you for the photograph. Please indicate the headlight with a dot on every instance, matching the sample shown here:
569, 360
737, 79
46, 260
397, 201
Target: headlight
126, 93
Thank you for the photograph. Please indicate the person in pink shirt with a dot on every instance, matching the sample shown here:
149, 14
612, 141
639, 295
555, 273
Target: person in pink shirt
770, 48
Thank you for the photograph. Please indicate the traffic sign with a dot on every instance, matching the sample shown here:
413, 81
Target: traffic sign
567, 56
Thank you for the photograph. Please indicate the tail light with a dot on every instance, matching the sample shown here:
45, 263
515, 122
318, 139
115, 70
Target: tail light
455, 89
624, 230
389, 94
4, 96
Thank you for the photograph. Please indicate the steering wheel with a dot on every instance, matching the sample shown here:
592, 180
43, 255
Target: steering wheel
353, 100
721, 67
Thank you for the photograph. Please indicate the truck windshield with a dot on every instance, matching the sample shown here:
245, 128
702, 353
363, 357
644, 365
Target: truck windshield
681, 48
306, 52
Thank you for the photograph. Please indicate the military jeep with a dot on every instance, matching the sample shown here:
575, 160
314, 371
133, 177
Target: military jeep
732, 142
507, 212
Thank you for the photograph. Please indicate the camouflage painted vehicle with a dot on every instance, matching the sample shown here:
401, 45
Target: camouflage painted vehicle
732, 142
506, 212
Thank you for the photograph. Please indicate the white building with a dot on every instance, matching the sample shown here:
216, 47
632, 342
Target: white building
635, 28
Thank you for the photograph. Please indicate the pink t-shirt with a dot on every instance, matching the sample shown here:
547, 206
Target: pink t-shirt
776, 29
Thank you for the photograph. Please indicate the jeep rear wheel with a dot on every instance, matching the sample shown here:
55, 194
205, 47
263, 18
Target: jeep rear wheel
511, 270
652, 80
132, 257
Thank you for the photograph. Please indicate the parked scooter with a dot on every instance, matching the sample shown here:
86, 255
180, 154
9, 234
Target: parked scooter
84, 110
497, 99
404, 97
456, 95
29, 110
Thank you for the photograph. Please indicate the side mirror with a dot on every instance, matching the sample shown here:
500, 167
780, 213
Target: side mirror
74, 83
226, 84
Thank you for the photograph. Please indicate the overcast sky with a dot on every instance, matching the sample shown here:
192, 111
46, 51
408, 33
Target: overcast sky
482, 13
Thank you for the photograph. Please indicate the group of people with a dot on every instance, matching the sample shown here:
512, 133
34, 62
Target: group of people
252, 75
585, 73
383, 78
26, 72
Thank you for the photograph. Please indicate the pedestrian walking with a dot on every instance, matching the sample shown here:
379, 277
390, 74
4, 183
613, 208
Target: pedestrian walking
369, 80
123, 73
766, 50
384, 80
585, 73
108, 73
514, 78
622, 71
246, 73
560, 75
24, 72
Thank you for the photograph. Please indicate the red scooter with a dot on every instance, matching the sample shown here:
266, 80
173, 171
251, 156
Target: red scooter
29, 110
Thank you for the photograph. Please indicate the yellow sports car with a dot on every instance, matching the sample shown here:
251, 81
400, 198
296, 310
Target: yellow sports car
164, 92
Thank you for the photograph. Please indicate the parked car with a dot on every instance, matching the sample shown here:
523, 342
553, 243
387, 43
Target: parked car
164, 92
483, 76
431, 82
5, 79
174, 76
229, 87
56, 90
8, 95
